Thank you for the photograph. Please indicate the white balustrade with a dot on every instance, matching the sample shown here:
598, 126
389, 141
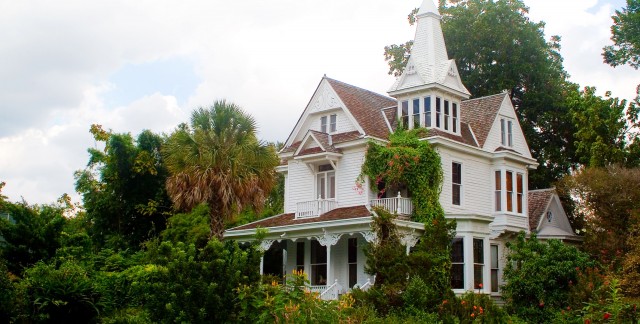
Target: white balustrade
314, 208
399, 205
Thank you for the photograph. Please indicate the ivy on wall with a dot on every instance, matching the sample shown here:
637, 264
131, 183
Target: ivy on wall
406, 160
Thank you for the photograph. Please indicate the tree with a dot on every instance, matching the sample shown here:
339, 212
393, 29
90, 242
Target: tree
607, 198
607, 129
538, 276
33, 234
123, 187
625, 34
218, 160
497, 47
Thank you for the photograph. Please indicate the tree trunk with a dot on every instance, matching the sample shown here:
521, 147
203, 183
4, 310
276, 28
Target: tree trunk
216, 224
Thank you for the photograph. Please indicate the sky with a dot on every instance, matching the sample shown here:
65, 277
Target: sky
146, 64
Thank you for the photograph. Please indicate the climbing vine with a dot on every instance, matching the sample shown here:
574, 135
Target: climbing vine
407, 161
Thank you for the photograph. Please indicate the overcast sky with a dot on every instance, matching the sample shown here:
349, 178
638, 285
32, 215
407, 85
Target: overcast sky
145, 64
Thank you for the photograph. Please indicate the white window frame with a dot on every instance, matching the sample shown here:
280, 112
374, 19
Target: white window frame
326, 176
333, 123
323, 124
460, 185
495, 267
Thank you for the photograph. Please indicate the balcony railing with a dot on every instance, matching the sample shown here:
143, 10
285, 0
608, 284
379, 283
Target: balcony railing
314, 208
398, 205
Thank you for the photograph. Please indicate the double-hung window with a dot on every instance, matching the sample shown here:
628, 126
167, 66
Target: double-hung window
438, 112
478, 262
427, 111
333, 123
318, 263
446, 115
328, 123
454, 117
323, 124
416, 113
326, 182
457, 263
506, 132
498, 191
456, 183
512, 189
494, 268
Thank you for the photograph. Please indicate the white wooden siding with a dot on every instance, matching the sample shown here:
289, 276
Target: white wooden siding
301, 185
477, 187
349, 168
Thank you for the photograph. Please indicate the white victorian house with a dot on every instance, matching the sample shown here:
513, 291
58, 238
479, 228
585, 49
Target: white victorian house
485, 159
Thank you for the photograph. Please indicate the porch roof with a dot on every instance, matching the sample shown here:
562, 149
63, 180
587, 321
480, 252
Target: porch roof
289, 219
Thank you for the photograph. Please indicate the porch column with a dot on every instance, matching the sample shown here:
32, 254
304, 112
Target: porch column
327, 240
264, 246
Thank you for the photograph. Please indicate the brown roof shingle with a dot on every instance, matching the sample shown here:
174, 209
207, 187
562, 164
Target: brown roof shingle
365, 107
480, 113
538, 201
289, 219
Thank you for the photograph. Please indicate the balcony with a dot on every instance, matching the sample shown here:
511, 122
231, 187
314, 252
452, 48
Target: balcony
314, 208
398, 205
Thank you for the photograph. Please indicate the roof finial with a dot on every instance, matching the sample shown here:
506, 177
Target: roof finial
428, 7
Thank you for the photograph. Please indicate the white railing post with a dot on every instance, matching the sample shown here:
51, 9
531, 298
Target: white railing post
398, 211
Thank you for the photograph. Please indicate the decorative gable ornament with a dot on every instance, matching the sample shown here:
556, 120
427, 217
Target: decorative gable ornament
326, 100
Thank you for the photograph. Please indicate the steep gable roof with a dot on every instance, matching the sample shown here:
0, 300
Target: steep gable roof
289, 219
538, 202
480, 113
365, 106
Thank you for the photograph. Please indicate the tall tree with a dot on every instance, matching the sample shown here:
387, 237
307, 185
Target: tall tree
497, 47
625, 34
123, 187
218, 160
607, 129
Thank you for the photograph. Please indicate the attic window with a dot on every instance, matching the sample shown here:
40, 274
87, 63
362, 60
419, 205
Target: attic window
506, 132
332, 123
549, 216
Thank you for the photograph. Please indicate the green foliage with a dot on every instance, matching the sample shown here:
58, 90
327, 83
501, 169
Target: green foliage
472, 308
123, 187
625, 34
190, 228
538, 276
59, 294
386, 259
292, 303
406, 160
606, 129
218, 160
33, 235
7, 296
607, 198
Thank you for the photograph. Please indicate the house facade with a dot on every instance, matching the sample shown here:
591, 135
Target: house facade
485, 159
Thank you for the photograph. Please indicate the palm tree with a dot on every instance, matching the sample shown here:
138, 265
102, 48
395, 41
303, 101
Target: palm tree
218, 160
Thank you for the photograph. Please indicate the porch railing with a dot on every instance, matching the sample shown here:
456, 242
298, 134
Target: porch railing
314, 208
399, 205
365, 286
331, 292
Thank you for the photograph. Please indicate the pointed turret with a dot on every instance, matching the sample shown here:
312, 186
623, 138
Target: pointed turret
429, 66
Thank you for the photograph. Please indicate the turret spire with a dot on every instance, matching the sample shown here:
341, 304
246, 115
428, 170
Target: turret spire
429, 65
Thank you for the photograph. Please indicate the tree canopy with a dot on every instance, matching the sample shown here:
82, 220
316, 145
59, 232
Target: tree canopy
218, 160
625, 34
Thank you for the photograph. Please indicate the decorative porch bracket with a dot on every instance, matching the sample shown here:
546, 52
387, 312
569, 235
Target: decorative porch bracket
264, 245
370, 236
409, 241
328, 240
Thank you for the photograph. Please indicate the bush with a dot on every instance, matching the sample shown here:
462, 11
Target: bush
8, 294
472, 307
63, 294
538, 276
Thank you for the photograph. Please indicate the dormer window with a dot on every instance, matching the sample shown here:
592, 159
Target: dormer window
506, 132
328, 122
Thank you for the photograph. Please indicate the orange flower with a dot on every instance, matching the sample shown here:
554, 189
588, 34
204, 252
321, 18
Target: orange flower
606, 316
444, 302
473, 315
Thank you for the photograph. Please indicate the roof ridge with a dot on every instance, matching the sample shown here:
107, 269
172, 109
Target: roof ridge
543, 189
485, 97
359, 88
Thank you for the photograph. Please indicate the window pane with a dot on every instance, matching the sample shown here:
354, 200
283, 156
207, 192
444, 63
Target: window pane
509, 191
416, 113
438, 112
498, 191
332, 184
323, 124
333, 120
457, 276
325, 167
300, 254
427, 111
319, 274
446, 115
455, 118
456, 171
478, 251
510, 133
494, 256
494, 280
353, 274
502, 132
519, 192
352, 250
477, 275
405, 114
457, 250
321, 185
318, 253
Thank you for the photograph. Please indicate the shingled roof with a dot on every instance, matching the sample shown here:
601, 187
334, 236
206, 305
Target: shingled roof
538, 202
365, 107
480, 113
289, 219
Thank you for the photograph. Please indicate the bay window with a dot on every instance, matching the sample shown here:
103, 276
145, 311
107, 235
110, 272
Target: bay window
427, 111
416, 113
478, 262
457, 263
